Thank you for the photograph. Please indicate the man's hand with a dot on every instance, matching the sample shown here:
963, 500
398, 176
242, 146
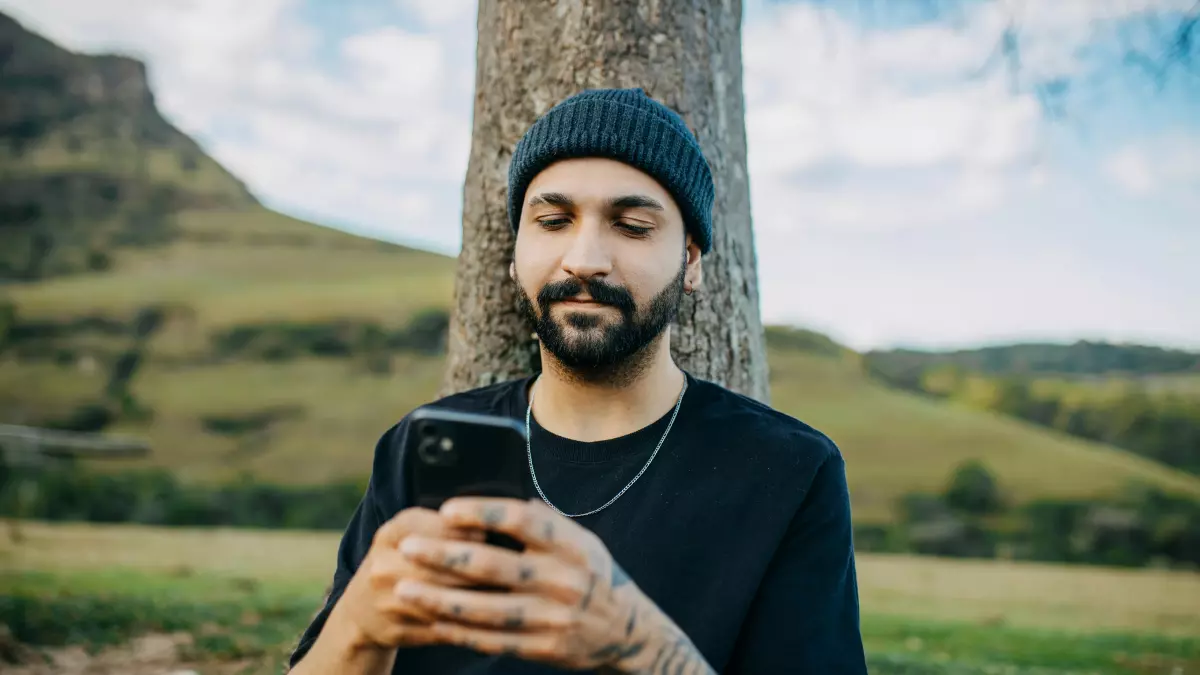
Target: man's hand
369, 614
567, 602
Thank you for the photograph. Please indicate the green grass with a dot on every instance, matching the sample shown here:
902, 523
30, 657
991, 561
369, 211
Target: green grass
259, 620
245, 596
980, 592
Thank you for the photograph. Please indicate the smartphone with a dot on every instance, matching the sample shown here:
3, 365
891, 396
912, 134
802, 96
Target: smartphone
448, 453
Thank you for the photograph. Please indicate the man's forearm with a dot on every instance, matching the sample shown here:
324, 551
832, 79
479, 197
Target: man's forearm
337, 652
659, 648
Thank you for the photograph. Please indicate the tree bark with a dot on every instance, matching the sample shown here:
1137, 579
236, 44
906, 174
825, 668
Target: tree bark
530, 55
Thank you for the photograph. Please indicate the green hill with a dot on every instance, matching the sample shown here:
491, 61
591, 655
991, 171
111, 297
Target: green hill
236, 339
1078, 359
896, 441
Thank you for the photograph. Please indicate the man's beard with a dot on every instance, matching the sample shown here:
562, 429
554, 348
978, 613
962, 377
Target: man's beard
602, 352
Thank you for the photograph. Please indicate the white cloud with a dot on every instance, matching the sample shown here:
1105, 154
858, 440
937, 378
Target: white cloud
395, 64
823, 93
440, 13
1168, 162
824, 90
1130, 169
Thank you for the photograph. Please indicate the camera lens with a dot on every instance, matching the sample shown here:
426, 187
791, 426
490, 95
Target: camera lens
438, 451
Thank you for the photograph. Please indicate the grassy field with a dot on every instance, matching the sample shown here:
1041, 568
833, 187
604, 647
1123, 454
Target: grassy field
243, 595
894, 442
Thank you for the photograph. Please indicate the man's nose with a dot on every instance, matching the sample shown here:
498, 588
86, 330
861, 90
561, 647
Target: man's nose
587, 255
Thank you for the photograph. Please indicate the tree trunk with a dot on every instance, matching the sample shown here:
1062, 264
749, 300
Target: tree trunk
533, 53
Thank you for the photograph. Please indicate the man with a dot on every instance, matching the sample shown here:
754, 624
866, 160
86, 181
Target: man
681, 528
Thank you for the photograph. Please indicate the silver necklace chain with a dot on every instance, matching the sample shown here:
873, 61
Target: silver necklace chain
533, 474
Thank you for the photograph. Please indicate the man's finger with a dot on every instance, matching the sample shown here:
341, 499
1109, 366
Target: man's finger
529, 572
544, 646
505, 611
418, 520
531, 522
388, 566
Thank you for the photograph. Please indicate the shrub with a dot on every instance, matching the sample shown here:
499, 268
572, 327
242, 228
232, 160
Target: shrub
973, 490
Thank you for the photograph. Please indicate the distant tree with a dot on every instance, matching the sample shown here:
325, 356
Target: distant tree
973, 490
8, 321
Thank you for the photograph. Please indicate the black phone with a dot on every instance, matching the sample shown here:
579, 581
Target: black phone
449, 453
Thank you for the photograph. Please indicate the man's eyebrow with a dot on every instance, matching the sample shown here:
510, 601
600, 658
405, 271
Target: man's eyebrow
554, 199
636, 202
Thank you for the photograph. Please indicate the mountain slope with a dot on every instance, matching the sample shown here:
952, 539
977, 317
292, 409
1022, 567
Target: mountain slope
87, 163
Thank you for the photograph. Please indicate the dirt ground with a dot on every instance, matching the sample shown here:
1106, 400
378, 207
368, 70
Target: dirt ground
155, 654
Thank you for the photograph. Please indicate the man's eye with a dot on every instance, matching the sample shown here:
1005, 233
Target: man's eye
634, 230
553, 223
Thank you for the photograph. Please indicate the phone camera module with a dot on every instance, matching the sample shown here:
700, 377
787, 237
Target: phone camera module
437, 451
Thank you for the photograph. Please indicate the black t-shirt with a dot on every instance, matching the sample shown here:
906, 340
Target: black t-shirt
739, 530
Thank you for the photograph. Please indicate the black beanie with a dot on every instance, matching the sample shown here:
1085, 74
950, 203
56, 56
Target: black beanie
630, 127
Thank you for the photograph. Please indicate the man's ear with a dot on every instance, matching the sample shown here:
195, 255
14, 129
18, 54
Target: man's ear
693, 277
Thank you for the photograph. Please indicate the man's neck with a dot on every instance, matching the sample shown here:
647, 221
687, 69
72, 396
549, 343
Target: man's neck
587, 411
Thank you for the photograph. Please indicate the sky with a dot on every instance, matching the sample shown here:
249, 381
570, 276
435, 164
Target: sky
912, 183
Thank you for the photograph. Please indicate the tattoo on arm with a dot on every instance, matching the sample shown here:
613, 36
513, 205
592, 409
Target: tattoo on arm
618, 652
679, 656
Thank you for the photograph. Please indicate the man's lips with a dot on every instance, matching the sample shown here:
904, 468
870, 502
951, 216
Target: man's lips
582, 302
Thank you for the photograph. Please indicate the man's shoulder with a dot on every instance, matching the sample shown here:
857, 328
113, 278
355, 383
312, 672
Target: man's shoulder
500, 398
754, 424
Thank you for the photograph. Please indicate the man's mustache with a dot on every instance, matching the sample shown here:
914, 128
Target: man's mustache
599, 290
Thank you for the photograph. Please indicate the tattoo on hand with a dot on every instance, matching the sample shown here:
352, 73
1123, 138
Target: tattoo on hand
493, 516
619, 577
459, 560
515, 620
587, 597
632, 619
526, 573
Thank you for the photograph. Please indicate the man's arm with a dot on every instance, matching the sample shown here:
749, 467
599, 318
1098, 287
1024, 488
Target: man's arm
320, 649
805, 618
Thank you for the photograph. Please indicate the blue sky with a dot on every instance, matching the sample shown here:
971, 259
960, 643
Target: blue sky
902, 193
